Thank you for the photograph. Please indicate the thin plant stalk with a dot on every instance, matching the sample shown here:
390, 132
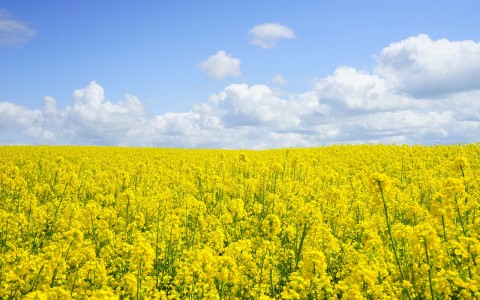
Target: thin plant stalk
429, 269
390, 235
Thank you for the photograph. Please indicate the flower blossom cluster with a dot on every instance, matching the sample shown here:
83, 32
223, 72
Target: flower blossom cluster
337, 222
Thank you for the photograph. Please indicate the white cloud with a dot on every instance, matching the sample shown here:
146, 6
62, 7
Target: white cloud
349, 106
267, 35
221, 65
423, 67
16, 121
90, 120
241, 105
99, 121
349, 89
12, 31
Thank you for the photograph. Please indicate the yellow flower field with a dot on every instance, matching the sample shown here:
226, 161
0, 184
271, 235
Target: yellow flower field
349, 222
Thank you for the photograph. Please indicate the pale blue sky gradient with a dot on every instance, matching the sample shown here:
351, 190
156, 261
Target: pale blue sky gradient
153, 49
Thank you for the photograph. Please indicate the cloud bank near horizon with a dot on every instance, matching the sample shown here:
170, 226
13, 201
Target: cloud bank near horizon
421, 91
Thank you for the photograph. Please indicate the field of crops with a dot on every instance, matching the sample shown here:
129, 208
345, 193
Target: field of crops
350, 222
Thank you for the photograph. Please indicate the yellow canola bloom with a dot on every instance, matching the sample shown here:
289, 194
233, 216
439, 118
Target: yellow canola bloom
380, 182
145, 223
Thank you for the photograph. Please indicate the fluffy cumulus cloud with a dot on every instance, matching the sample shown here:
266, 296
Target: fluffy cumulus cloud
90, 120
267, 35
221, 65
12, 31
423, 67
349, 106
99, 121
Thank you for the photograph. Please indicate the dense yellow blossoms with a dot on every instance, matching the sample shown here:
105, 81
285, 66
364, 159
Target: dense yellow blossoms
339, 222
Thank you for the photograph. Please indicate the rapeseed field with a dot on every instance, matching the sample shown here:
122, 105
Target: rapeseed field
337, 222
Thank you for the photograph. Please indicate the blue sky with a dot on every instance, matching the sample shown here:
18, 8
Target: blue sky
239, 74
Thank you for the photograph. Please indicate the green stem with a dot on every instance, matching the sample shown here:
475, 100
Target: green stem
299, 250
444, 232
272, 289
390, 232
37, 279
261, 272
429, 269
391, 237
139, 280
460, 217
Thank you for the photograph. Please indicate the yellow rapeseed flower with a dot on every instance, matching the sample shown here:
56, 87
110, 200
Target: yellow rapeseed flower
380, 182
